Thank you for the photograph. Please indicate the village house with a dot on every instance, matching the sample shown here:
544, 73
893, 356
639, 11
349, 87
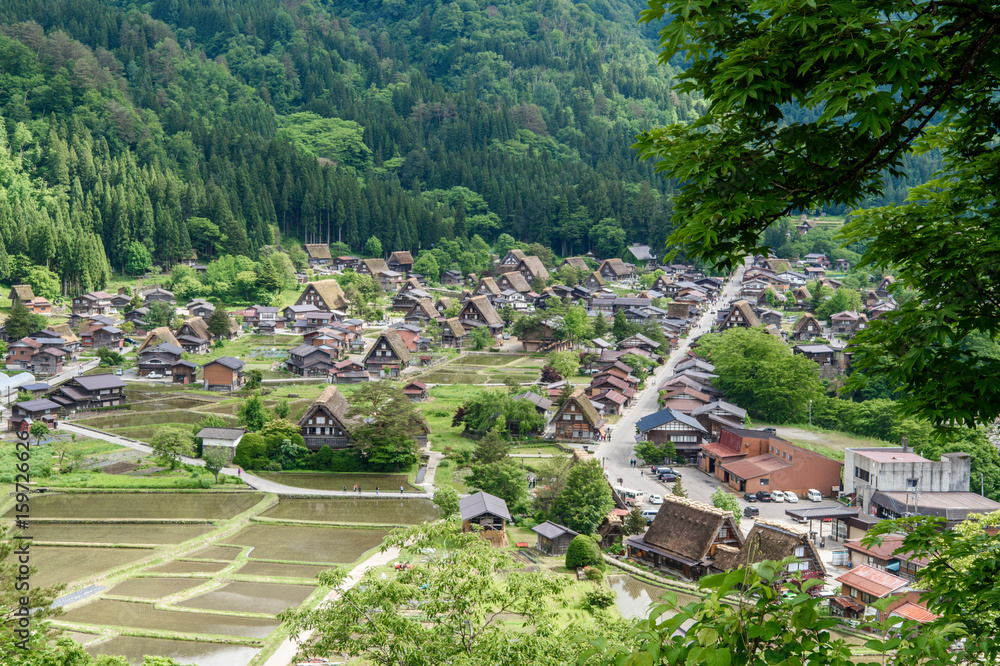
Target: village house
157, 336
324, 295
309, 360
513, 281
19, 353
685, 538
453, 334
541, 403
39, 306
641, 255
412, 337
848, 323
806, 328
348, 372
325, 423
318, 254
451, 278
741, 315
531, 269
88, 392
20, 293
344, 262
37, 390
576, 263
372, 267
193, 336
47, 361
802, 297
683, 431
401, 262
553, 539
613, 270
421, 312
768, 540
223, 374
199, 307
749, 461
33, 411
442, 304
388, 356
510, 261
544, 337
103, 337
860, 587
416, 391
717, 415
224, 440
408, 294
479, 312
165, 360
488, 287
577, 418
154, 294
889, 555
685, 400
486, 514
92, 303
594, 281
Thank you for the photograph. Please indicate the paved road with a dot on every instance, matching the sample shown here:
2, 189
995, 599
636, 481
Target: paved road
616, 453
265, 485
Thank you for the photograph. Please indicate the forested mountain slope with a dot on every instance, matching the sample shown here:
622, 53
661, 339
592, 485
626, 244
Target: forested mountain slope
206, 124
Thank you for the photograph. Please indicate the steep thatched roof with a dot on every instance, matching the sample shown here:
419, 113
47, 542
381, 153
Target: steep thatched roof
489, 285
391, 336
769, 540
617, 267
332, 401
516, 282
375, 266
318, 251
158, 336
575, 262
67, 334
688, 528
485, 309
401, 258
747, 312
423, 307
598, 278
534, 264
330, 292
585, 406
455, 327
804, 321
23, 292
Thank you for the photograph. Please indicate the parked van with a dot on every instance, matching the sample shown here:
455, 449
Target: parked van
791, 497
777, 496
814, 495
649, 515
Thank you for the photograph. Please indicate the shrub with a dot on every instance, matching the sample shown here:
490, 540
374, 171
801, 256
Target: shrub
595, 574
206, 483
583, 552
599, 598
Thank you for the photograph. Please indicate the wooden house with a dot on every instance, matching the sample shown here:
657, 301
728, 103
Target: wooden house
774, 541
21, 293
510, 261
372, 267
848, 323
165, 359
594, 281
40, 411
224, 440
318, 254
156, 337
685, 538
87, 392
514, 281
348, 372
39, 306
683, 431
416, 391
531, 269
486, 513
577, 418
553, 539
479, 312
388, 356
199, 307
453, 334
741, 315
863, 585
613, 270
806, 328
193, 336
223, 374
325, 423
308, 360
421, 312
150, 296
401, 262
324, 295
47, 361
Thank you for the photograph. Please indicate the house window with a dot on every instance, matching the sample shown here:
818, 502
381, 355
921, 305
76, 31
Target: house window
800, 551
763, 482
862, 474
911, 483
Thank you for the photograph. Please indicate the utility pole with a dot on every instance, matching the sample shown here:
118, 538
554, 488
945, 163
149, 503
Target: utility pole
810, 413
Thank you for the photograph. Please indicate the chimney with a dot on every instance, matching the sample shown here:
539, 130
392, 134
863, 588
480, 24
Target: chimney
906, 441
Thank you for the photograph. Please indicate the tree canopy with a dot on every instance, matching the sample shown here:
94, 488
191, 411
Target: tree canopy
803, 115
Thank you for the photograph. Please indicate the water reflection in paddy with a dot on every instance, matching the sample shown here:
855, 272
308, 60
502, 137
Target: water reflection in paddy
634, 597
135, 648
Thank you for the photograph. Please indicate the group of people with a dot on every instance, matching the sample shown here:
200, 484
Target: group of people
357, 489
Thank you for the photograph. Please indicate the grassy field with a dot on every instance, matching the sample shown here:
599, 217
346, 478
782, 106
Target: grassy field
830, 443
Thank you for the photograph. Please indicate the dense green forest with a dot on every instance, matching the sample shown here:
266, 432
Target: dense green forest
220, 126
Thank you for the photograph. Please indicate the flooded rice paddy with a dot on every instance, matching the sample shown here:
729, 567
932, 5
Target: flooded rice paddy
227, 553
387, 483
181, 567
270, 598
155, 587
64, 564
128, 533
140, 615
198, 653
141, 506
277, 570
373, 510
307, 543
634, 597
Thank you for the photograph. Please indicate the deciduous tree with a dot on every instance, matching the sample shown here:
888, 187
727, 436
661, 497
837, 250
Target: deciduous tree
585, 500
170, 443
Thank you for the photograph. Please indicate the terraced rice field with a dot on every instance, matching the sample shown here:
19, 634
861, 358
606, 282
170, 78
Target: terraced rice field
277, 570
134, 648
142, 506
270, 598
307, 543
216, 553
64, 564
388, 483
188, 567
387, 511
155, 587
128, 533
144, 616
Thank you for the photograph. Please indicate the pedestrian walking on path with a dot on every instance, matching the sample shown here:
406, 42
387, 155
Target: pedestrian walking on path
376, 490
401, 490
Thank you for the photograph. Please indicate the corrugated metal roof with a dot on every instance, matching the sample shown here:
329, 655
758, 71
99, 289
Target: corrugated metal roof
476, 505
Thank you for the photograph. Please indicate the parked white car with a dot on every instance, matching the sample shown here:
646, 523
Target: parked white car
655, 499
154, 375
814, 495
777, 496
791, 497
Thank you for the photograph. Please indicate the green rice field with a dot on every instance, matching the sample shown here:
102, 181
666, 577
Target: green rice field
228, 553
183, 567
64, 564
155, 587
278, 570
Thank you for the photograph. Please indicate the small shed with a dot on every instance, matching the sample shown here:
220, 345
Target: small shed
416, 391
553, 539
489, 513
222, 439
